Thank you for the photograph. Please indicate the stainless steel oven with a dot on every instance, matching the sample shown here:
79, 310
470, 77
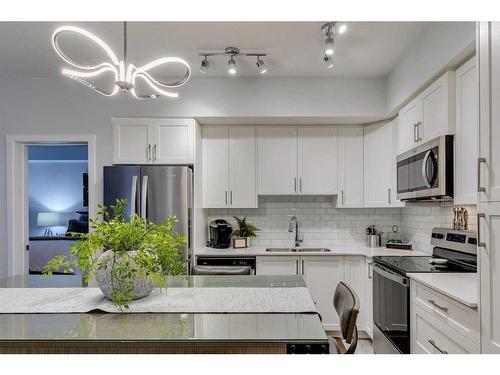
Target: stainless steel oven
426, 172
391, 311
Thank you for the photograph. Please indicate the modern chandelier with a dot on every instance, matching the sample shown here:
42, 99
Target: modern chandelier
330, 30
125, 75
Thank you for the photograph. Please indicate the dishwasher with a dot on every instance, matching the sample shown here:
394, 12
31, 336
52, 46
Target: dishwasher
227, 262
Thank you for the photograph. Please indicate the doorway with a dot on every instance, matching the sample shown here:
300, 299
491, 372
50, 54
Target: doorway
43, 183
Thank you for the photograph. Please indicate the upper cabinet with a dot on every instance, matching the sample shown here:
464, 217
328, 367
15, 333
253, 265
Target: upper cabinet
229, 167
317, 160
153, 141
380, 148
297, 160
277, 160
350, 167
429, 115
466, 132
489, 113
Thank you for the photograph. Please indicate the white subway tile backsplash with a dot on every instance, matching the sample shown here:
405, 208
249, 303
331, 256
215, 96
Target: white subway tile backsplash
321, 223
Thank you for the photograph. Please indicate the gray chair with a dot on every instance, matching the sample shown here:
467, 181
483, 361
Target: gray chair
220, 270
346, 303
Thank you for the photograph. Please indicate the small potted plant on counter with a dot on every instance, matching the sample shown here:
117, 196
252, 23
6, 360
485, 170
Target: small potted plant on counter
136, 254
244, 233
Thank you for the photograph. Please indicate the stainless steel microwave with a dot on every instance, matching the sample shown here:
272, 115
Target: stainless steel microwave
426, 171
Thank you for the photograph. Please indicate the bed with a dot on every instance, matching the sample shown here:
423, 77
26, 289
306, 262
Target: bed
41, 249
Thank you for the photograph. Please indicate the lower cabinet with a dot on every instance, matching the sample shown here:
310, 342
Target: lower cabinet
441, 325
321, 275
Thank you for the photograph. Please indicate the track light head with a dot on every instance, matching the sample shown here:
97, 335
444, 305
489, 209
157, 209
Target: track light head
328, 61
204, 65
329, 46
261, 65
231, 66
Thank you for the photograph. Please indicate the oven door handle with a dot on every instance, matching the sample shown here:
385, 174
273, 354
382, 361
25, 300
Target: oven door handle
384, 272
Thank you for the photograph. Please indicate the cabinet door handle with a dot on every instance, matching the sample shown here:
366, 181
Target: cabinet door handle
297, 267
419, 138
295, 184
342, 193
231, 196
389, 195
149, 152
154, 153
370, 270
302, 266
433, 343
300, 184
479, 242
480, 189
225, 196
415, 139
444, 308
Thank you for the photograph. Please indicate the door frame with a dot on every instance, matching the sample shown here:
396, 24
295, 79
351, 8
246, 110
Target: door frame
18, 196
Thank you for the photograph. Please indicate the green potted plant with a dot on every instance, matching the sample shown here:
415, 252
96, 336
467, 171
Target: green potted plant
136, 255
244, 233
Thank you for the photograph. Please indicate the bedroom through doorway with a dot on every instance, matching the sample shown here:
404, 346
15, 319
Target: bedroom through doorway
58, 200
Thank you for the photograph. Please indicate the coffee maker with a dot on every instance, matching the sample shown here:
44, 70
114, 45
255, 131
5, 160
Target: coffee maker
219, 234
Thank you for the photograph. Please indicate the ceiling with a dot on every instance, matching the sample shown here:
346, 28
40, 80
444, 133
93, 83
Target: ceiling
367, 49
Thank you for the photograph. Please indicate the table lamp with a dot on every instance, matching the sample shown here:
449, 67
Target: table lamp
47, 220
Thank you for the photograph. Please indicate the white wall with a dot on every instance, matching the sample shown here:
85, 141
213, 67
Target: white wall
442, 45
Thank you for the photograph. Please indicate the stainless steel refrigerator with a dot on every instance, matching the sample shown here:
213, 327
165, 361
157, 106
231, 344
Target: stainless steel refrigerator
153, 192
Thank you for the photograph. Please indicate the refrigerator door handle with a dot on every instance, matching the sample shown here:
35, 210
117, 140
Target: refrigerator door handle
144, 196
133, 196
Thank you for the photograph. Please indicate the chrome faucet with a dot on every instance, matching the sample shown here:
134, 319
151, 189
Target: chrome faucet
290, 229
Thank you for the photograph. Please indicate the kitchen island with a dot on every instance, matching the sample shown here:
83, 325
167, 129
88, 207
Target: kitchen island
98, 332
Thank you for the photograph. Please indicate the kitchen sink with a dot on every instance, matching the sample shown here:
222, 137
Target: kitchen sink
312, 250
280, 250
297, 250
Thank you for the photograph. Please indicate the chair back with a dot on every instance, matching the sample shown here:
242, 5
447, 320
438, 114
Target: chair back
346, 303
220, 270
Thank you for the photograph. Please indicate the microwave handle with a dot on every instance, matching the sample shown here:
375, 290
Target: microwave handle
390, 275
424, 169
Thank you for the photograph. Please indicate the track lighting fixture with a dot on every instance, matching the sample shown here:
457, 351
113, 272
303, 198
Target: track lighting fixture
329, 46
261, 65
329, 30
232, 52
231, 66
204, 65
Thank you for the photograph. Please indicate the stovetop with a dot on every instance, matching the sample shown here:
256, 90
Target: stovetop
420, 264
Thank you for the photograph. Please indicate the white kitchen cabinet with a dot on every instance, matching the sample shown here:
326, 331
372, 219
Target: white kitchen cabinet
380, 165
489, 198
489, 254
229, 167
322, 274
409, 117
153, 141
317, 160
355, 275
173, 141
369, 297
466, 133
215, 150
277, 265
489, 112
133, 139
440, 324
242, 167
429, 115
277, 160
350, 167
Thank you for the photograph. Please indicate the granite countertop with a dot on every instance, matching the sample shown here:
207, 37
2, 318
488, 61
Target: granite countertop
462, 287
336, 250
